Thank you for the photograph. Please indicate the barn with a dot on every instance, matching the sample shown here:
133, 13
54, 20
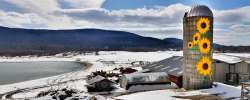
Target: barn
224, 68
173, 66
227, 69
144, 79
232, 70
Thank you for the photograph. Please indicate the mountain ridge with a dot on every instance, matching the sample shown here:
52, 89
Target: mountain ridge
18, 41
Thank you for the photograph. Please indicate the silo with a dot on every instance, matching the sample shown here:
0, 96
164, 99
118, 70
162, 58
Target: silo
197, 48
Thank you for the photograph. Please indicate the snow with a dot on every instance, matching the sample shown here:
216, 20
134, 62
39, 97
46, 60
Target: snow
117, 56
150, 95
230, 91
245, 55
226, 58
121, 59
150, 87
227, 91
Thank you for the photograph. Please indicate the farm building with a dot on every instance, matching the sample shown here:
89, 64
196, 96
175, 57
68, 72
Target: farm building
173, 66
233, 72
155, 78
224, 69
99, 83
227, 69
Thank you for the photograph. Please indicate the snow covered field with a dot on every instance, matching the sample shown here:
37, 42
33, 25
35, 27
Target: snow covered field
226, 91
123, 56
76, 80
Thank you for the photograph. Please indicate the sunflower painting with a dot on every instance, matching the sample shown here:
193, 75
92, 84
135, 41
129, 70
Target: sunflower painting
204, 66
190, 45
203, 25
200, 41
204, 45
196, 38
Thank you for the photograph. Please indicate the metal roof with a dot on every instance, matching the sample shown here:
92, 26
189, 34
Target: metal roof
199, 10
146, 77
172, 66
247, 61
227, 58
95, 79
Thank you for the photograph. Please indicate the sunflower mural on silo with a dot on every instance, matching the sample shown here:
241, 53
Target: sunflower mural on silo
203, 25
190, 45
201, 42
204, 46
196, 38
204, 66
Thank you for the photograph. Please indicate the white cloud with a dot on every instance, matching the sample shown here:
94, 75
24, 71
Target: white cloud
82, 4
41, 14
46, 6
142, 20
233, 16
14, 19
240, 28
35, 6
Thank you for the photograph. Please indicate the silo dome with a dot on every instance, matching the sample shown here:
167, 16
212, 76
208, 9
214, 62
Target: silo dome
199, 10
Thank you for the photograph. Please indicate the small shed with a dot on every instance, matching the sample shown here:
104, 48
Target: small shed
128, 80
99, 84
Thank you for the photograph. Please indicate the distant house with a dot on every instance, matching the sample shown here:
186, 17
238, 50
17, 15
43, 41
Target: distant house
109, 63
139, 63
227, 69
156, 78
99, 84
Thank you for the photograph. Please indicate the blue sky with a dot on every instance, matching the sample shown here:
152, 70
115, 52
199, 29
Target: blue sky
152, 18
133, 4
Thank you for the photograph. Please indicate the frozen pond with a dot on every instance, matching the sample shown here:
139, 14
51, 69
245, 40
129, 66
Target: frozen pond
23, 71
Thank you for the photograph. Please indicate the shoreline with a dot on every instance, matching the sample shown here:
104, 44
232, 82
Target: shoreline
85, 66
42, 82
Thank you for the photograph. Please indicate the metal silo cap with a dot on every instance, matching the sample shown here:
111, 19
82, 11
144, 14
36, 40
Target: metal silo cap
200, 10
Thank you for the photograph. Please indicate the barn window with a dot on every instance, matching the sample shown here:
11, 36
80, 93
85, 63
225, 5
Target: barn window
138, 79
161, 78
